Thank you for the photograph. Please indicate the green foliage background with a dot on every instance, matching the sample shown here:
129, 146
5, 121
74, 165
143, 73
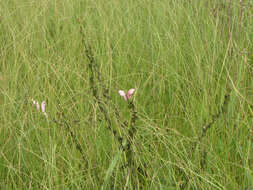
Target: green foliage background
182, 57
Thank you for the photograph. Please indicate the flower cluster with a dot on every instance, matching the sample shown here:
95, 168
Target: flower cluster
128, 95
41, 107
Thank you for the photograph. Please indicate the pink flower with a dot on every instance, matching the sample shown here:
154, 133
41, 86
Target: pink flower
128, 95
38, 106
42, 106
123, 94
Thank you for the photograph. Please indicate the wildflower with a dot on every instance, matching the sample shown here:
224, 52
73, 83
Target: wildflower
42, 106
128, 95
36, 103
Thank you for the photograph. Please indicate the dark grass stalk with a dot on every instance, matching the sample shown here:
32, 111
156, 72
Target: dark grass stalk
131, 132
215, 117
67, 126
229, 22
105, 91
229, 15
106, 100
241, 14
63, 122
101, 104
98, 76
205, 128
135, 171
203, 159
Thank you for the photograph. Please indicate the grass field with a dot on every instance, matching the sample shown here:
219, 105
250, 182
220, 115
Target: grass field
188, 124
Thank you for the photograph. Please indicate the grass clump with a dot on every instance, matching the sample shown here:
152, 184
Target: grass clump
187, 125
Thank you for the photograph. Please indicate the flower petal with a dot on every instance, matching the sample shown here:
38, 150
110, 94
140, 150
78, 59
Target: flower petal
34, 102
123, 94
37, 105
130, 93
43, 106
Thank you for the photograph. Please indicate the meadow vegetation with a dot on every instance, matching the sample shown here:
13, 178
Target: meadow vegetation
187, 125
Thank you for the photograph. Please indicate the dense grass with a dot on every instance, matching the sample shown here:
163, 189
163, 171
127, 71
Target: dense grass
191, 64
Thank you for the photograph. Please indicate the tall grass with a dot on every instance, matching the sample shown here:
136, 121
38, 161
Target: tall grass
188, 125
